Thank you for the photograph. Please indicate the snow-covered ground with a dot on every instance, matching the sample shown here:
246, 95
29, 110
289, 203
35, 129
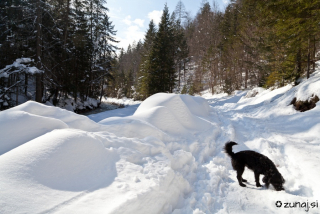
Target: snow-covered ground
130, 107
162, 156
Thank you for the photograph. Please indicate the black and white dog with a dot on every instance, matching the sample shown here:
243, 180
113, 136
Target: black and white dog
258, 163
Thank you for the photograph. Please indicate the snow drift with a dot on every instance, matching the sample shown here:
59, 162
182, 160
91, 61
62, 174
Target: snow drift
166, 157
53, 160
164, 114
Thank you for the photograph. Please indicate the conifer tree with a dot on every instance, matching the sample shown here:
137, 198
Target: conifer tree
143, 77
295, 27
180, 49
162, 71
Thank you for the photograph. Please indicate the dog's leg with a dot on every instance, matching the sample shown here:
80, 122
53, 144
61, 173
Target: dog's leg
240, 171
244, 180
256, 176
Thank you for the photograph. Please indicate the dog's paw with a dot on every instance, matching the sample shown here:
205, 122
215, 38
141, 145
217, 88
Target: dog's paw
258, 185
243, 185
244, 180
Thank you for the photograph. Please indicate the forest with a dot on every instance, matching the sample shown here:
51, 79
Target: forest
59, 49
54, 50
252, 43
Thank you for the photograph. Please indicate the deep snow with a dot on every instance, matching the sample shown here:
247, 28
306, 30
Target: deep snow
163, 156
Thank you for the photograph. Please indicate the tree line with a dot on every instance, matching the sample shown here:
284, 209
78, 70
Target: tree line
69, 45
265, 43
57, 49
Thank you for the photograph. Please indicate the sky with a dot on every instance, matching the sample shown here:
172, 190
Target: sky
131, 17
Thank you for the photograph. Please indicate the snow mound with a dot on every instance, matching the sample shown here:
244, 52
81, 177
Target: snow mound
132, 128
73, 120
27, 121
167, 114
67, 163
18, 127
180, 105
309, 88
162, 118
263, 97
62, 160
174, 112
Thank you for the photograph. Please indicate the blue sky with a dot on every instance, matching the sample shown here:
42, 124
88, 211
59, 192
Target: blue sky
131, 17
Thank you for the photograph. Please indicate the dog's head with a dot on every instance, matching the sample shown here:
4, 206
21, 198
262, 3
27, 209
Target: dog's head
276, 180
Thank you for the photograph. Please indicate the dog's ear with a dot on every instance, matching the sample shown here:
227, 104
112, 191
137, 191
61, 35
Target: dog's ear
264, 179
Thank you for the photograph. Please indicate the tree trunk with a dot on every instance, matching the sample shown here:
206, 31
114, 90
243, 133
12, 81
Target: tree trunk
299, 66
39, 87
184, 71
101, 93
179, 69
26, 85
314, 55
308, 67
17, 90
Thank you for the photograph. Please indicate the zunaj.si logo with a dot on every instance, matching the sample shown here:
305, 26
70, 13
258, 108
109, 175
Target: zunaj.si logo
305, 205
278, 203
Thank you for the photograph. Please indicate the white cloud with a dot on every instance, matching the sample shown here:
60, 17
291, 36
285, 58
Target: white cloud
127, 20
139, 22
114, 13
128, 29
132, 33
156, 16
225, 1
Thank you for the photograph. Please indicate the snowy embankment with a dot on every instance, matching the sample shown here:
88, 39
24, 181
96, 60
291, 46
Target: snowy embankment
164, 158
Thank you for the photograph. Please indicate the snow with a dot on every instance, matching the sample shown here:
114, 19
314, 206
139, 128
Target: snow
19, 66
24, 60
130, 107
30, 126
70, 104
33, 70
122, 101
164, 155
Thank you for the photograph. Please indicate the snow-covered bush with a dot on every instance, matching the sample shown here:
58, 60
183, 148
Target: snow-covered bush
14, 82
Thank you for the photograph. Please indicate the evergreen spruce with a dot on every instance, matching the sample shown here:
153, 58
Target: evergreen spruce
162, 71
143, 77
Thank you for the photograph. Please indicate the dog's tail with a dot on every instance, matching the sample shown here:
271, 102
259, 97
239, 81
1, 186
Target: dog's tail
228, 148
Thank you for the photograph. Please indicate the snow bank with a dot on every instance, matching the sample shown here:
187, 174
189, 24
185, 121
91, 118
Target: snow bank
309, 88
122, 101
118, 112
73, 120
70, 104
254, 92
180, 105
167, 114
261, 96
19, 127
54, 167
53, 160
30, 120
